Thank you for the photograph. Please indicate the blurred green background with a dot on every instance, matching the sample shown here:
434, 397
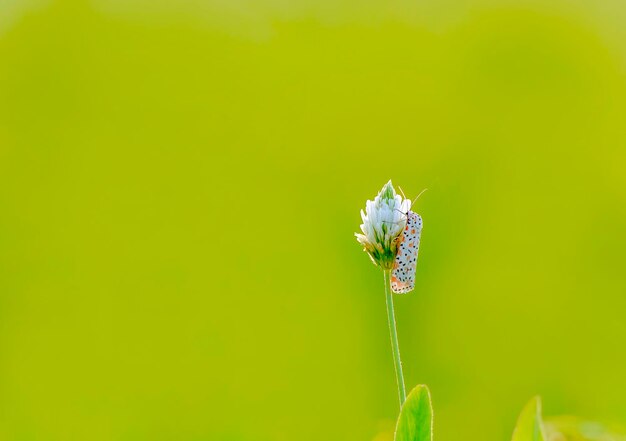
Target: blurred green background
180, 182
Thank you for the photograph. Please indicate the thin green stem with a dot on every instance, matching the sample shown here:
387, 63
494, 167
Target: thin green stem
391, 319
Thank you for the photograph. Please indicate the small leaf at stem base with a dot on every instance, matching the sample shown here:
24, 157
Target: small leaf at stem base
415, 422
529, 424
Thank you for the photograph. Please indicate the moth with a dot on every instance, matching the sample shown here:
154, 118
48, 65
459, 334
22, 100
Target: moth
403, 272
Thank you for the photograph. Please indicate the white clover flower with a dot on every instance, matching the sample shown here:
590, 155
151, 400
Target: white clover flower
383, 221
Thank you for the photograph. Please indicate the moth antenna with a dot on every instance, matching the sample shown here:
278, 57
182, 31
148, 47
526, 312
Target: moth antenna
403, 195
417, 197
388, 222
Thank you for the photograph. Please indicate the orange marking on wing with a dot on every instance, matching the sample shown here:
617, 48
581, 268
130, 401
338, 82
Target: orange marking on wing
400, 286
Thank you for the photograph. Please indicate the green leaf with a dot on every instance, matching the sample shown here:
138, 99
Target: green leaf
529, 424
415, 422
